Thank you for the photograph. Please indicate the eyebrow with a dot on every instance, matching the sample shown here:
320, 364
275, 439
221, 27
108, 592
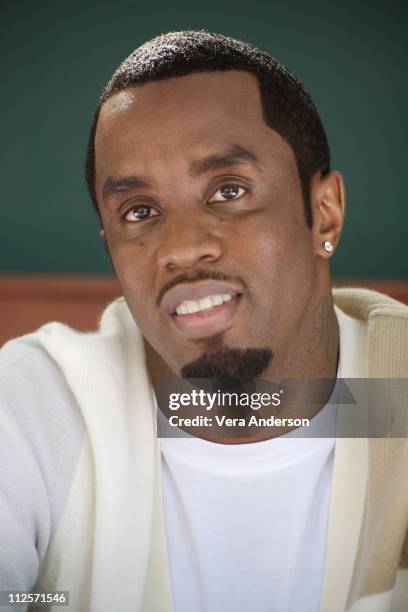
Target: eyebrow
123, 183
232, 156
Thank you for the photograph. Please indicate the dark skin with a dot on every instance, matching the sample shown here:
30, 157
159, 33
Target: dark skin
165, 215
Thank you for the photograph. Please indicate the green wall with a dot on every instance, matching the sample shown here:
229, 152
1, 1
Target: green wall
56, 56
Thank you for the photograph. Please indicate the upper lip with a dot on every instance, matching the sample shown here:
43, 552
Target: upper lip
195, 291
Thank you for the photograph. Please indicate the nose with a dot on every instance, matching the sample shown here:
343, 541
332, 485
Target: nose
187, 243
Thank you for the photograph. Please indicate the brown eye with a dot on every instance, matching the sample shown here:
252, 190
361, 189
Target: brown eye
227, 192
140, 213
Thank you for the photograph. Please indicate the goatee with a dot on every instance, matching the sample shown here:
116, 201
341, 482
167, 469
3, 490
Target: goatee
229, 363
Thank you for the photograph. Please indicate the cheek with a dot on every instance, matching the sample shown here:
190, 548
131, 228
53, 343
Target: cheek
279, 261
135, 275
265, 241
284, 247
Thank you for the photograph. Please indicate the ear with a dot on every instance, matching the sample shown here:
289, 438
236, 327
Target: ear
328, 203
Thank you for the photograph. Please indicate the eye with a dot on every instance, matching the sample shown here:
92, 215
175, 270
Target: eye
140, 213
227, 192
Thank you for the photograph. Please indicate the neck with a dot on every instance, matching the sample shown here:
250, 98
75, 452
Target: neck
311, 349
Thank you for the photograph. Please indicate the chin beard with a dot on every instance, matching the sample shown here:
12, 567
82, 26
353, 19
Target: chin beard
229, 363
228, 370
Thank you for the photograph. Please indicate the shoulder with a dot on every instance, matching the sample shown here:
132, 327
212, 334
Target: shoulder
34, 391
364, 304
386, 321
41, 433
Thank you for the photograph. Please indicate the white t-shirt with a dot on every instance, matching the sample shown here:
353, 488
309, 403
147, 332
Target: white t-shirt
246, 523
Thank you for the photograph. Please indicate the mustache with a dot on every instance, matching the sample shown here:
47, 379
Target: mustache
198, 275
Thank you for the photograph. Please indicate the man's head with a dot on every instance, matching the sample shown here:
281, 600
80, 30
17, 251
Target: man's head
207, 163
287, 108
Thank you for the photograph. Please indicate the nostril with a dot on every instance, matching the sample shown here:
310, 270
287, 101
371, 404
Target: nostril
183, 253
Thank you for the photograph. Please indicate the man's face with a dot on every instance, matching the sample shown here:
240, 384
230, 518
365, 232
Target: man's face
201, 203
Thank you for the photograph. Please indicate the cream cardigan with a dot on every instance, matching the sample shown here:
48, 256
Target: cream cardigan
109, 547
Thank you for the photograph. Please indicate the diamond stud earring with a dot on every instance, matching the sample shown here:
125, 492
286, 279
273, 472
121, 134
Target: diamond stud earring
327, 245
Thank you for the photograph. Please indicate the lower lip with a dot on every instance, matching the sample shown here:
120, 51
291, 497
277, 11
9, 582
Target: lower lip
207, 322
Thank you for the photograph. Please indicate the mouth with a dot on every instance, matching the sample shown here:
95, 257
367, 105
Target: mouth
201, 310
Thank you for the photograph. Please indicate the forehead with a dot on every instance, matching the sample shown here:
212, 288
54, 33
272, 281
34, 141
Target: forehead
232, 92
183, 117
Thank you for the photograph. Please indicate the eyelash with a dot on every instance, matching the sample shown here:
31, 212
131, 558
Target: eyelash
136, 206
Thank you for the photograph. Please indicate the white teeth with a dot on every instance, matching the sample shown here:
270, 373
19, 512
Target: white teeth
205, 303
183, 309
191, 306
216, 300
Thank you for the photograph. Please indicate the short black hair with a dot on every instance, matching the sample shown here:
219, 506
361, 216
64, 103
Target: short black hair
287, 107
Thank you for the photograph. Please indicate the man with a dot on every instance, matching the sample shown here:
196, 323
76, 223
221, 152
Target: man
209, 169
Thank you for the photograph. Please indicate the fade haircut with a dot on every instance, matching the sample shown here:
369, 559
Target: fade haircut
287, 107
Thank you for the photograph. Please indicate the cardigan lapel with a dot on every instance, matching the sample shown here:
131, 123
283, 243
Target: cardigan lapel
157, 593
350, 475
